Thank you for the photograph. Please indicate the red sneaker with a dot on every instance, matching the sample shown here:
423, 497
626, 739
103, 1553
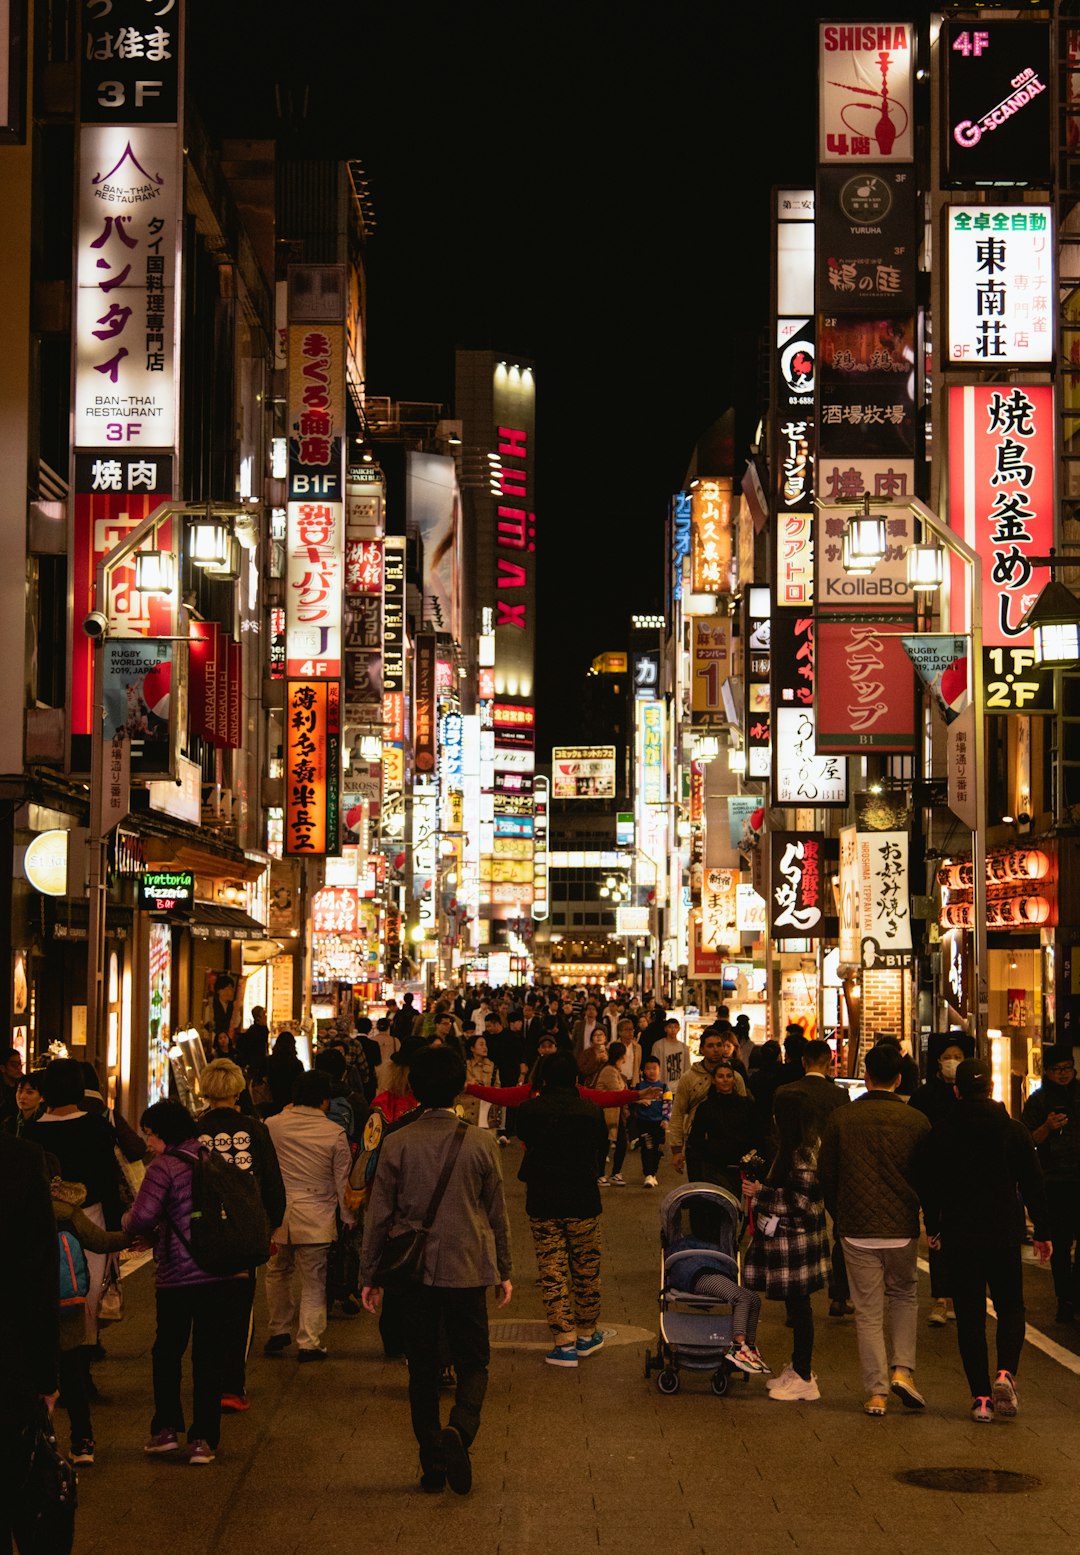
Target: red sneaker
235, 1403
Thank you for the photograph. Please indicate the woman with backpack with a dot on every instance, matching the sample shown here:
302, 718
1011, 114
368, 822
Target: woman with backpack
190, 1302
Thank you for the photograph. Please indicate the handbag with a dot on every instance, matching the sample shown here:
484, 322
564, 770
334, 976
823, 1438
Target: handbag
401, 1262
111, 1301
45, 1520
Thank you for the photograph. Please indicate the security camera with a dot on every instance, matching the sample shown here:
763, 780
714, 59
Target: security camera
96, 625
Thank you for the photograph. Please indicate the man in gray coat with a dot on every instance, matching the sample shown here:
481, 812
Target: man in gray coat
467, 1250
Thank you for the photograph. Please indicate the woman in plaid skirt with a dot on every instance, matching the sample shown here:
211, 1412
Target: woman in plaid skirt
788, 1254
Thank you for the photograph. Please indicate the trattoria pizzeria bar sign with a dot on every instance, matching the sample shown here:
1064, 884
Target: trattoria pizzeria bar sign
165, 890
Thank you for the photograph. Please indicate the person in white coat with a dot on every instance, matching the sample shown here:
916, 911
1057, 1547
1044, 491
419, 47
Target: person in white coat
314, 1157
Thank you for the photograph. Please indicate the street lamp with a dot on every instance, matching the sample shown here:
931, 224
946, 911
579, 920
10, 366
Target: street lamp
959, 547
865, 537
1055, 621
925, 568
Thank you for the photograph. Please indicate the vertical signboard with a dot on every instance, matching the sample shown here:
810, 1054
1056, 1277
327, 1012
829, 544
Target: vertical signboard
424, 703
312, 767
513, 476
719, 909
884, 902
865, 77
315, 536
1000, 286
1001, 500
997, 102
541, 801
865, 686
393, 676
796, 893
866, 236
802, 776
850, 951
710, 667
711, 550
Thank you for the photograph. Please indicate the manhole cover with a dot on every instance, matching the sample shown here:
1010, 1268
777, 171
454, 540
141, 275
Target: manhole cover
971, 1482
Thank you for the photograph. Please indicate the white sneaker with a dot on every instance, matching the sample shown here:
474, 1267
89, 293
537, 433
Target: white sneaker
650, 1182
783, 1376
796, 1389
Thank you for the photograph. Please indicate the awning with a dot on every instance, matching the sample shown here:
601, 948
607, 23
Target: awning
208, 921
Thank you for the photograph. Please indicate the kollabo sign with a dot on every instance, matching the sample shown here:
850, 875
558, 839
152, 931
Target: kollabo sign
164, 890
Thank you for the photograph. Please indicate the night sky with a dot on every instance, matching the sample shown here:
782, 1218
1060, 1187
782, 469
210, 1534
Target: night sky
587, 184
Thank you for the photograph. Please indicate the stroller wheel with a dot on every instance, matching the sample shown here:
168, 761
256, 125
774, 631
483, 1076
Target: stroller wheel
668, 1382
721, 1381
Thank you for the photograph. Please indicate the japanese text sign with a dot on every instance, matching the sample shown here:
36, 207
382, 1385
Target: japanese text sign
797, 887
997, 114
865, 686
312, 767
884, 904
125, 324
802, 776
710, 536
1001, 285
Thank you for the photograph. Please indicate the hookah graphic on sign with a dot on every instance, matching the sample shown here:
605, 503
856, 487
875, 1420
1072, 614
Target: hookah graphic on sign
877, 130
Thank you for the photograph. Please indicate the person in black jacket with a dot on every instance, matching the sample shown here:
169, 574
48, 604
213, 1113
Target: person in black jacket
935, 1098
244, 1141
564, 1136
1052, 1116
974, 1169
822, 1096
29, 1319
725, 1128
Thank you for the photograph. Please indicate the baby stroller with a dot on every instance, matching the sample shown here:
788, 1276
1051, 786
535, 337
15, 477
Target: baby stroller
700, 1225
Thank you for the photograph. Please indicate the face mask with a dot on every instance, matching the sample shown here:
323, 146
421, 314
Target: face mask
949, 1066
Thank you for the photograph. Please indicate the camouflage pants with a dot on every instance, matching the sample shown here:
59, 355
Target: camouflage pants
568, 1262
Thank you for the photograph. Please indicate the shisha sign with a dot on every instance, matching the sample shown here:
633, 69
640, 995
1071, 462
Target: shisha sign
865, 80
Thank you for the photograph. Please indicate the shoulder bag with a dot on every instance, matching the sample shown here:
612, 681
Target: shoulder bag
44, 1521
402, 1260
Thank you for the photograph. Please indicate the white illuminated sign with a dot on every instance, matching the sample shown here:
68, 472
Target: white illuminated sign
1001, 285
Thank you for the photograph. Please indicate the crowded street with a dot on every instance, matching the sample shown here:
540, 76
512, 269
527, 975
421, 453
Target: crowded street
597, 1459
539, 778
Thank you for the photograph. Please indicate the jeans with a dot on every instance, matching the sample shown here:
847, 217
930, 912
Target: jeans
970, 1270
880, 1277
620, 1143
940, 1288
801, 1316
1063, 1213
568, 1265
205, 1314
651, 1136
459, 1312
310, 1258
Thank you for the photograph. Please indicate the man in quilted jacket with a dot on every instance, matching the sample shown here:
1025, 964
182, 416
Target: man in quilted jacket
868, 1171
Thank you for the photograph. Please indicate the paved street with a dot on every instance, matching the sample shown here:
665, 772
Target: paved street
325, 1464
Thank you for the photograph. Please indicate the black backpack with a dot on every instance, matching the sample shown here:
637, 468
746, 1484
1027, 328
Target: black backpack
229, 1229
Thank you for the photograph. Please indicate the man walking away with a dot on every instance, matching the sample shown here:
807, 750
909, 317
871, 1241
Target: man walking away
315, 1160
1052, 1116
974, 1170
466, 1251
867, 1170
822, 1096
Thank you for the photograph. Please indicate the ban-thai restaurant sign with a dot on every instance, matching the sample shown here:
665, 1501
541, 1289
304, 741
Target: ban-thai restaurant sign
1001, 500
312, 767
865, 686
796, 889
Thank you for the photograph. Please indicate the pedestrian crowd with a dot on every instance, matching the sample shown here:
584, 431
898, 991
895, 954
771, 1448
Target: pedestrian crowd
374, 1181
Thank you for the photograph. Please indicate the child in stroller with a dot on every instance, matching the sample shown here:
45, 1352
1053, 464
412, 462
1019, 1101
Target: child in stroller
700, 1225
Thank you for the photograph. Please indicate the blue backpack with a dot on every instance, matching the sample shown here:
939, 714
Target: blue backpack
74, 1274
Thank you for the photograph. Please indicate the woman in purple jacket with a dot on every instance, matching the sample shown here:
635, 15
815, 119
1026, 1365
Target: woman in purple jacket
190, 1302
